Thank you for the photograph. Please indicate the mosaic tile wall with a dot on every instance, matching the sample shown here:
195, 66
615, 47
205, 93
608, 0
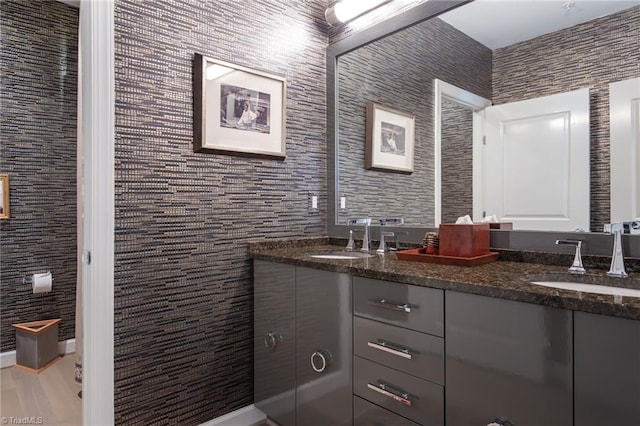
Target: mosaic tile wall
590, 55
38, 65
183, 279
456, 136
398, 72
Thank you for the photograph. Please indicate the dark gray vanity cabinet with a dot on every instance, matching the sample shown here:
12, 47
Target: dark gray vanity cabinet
507, 359
607, 370
274, 341
302, 345
398, 363
323, 348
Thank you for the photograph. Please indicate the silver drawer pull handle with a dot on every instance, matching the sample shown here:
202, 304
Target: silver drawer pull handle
322, 362
401, 397
383, 303
381, 345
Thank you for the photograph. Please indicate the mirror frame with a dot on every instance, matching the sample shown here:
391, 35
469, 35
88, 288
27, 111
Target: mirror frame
594, 243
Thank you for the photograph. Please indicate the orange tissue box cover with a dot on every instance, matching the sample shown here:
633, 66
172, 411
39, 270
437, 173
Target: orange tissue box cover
464, 240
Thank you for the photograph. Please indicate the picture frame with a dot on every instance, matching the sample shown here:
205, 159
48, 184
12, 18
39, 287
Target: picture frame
237, 110
390, 139
4, 196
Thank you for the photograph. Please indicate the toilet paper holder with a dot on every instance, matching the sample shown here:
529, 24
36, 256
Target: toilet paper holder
28, 280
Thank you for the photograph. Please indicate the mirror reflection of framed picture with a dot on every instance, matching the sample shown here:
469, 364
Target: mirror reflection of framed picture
237, 110
390, 139
4, 196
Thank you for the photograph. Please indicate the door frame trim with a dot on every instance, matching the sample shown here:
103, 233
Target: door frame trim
476, 104
98, 119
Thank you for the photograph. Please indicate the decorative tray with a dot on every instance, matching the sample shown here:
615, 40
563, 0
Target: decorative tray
416, 255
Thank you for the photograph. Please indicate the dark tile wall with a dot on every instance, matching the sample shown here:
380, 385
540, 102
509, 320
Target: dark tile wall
398, 72
183, 279
38, 141
589, 55
456, 136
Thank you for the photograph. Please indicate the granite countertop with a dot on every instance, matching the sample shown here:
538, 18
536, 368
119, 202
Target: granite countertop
501, 279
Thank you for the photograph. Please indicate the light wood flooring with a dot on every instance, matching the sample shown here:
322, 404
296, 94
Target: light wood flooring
51, 395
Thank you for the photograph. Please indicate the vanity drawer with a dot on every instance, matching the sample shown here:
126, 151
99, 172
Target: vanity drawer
368, 414
383, 343
413, 398
409, 306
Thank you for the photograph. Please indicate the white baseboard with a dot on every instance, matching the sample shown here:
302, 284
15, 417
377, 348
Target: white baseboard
67, 346
8, 359
245, 416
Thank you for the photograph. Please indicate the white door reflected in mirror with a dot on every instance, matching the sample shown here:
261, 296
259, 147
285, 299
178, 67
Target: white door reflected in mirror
536, 162
624, 118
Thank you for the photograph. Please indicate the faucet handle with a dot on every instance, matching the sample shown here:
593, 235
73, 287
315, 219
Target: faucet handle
576, 266
611, 228
383, 246
392, 221
359, 221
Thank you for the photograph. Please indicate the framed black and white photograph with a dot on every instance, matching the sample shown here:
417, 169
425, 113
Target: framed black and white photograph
237, 110
4, 196
390, 139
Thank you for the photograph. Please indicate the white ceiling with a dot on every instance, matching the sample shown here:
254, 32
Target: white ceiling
499, 23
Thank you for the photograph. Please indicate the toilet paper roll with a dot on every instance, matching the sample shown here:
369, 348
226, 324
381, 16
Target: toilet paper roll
42, 283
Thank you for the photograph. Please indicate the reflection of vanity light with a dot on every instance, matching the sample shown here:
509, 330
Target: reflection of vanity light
346, 10
559, 123
214, 71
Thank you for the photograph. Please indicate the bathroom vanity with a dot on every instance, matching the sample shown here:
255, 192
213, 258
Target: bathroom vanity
404, 343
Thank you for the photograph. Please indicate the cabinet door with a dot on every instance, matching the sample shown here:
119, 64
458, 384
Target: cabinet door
274, 341
607, 370
323, 348
507, 359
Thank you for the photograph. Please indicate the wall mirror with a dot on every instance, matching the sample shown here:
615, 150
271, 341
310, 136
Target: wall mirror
586, 46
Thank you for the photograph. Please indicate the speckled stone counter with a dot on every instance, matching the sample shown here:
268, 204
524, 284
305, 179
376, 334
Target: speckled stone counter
501, 279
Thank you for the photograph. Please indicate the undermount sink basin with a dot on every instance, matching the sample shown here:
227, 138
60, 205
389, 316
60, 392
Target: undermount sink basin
343, 255
599, 284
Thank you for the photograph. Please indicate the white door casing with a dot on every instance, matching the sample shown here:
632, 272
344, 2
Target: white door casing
476, 104
624, 118
536, 162
98, 124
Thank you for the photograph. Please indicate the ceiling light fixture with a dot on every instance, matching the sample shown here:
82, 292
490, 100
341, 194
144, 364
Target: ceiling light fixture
346, 10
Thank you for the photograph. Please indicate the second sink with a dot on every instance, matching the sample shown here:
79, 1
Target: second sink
599, 284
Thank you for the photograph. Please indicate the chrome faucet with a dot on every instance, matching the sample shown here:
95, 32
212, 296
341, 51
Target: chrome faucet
351, 245
366, 239
617, 259
576, 266
383, 245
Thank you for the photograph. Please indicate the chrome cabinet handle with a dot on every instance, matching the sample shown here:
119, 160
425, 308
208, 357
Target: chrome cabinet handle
383, 303
319, 354
271, 339
381, 345
384, 389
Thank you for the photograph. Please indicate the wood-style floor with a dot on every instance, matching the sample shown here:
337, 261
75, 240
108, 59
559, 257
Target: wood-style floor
51, 395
